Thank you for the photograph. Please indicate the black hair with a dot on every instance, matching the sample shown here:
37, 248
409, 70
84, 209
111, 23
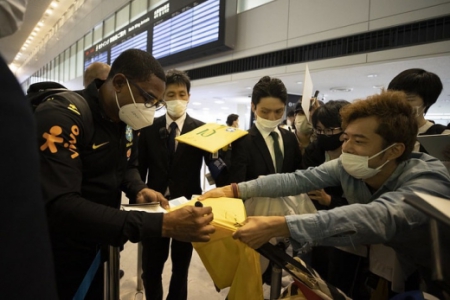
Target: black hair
328, 114
269, 87
419, 82
136, 65
290, 113
178, 77
231, 118
298, 108
396, 121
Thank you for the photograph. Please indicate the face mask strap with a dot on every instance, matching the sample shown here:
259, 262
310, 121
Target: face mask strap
131, 93
382, 151
117, 100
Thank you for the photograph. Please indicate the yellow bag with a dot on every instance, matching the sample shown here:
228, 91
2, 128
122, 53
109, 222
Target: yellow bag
229, 262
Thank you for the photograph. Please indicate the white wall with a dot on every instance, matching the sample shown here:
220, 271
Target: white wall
277, 25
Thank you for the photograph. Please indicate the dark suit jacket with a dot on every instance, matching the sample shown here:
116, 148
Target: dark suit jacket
251, 158
183, 176
27, 270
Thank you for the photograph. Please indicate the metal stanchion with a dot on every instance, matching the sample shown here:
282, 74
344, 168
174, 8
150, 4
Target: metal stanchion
140, 284
275, 282
105, 280
111, 275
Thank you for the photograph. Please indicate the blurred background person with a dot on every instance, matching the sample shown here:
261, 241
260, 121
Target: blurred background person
303, 128
27, 269
96, 70
422, 90
226, 152
288, 123
233, 120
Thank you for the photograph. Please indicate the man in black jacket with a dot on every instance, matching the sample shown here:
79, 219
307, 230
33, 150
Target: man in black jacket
173, 169
89, 157
254, 154
26, 263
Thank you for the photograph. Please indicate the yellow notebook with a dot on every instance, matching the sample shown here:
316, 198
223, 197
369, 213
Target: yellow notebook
211, 137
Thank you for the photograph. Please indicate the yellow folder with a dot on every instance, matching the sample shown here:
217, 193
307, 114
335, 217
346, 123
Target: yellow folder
229, 262
211, 137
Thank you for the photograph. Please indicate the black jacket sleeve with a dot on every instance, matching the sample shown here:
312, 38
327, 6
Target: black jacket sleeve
239, 160
132, 182
314, 156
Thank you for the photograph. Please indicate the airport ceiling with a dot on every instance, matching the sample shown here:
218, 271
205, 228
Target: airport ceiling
349, 83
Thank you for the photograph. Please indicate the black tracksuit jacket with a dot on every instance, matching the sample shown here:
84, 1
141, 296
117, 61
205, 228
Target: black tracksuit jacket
82, 177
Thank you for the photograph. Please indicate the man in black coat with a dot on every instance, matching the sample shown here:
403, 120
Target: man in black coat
174, 170
255, 154
26, 265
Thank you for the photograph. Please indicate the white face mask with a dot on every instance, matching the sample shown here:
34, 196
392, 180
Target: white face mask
302, 125
11, 16
358, 166
268, 124
136, 115
176, 108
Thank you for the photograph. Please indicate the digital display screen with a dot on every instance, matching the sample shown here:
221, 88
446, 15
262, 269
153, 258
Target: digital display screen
185, 30
100, 57
176, 31
136, 42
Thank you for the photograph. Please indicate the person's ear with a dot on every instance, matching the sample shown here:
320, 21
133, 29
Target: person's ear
119, 81
396, 151
253, 108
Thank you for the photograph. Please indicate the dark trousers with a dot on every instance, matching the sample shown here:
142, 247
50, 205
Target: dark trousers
71, 265
154, 254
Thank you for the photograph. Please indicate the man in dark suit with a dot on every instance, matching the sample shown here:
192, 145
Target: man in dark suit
172, 169
267, 148
26, 261
256, 153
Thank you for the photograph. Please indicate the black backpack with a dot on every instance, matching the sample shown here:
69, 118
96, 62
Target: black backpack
40, 92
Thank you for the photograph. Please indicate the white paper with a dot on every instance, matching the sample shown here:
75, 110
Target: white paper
441, 204
147, 207
177, 201
153, 207
307, 92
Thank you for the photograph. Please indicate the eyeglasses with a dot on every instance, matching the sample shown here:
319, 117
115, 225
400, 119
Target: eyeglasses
149, 100
328, 131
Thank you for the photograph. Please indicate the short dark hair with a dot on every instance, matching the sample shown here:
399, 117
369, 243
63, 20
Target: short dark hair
231, 118
178, 77
328, 114
419, 82
299, 109
269, 87
136, 65
397, 123
290, 113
